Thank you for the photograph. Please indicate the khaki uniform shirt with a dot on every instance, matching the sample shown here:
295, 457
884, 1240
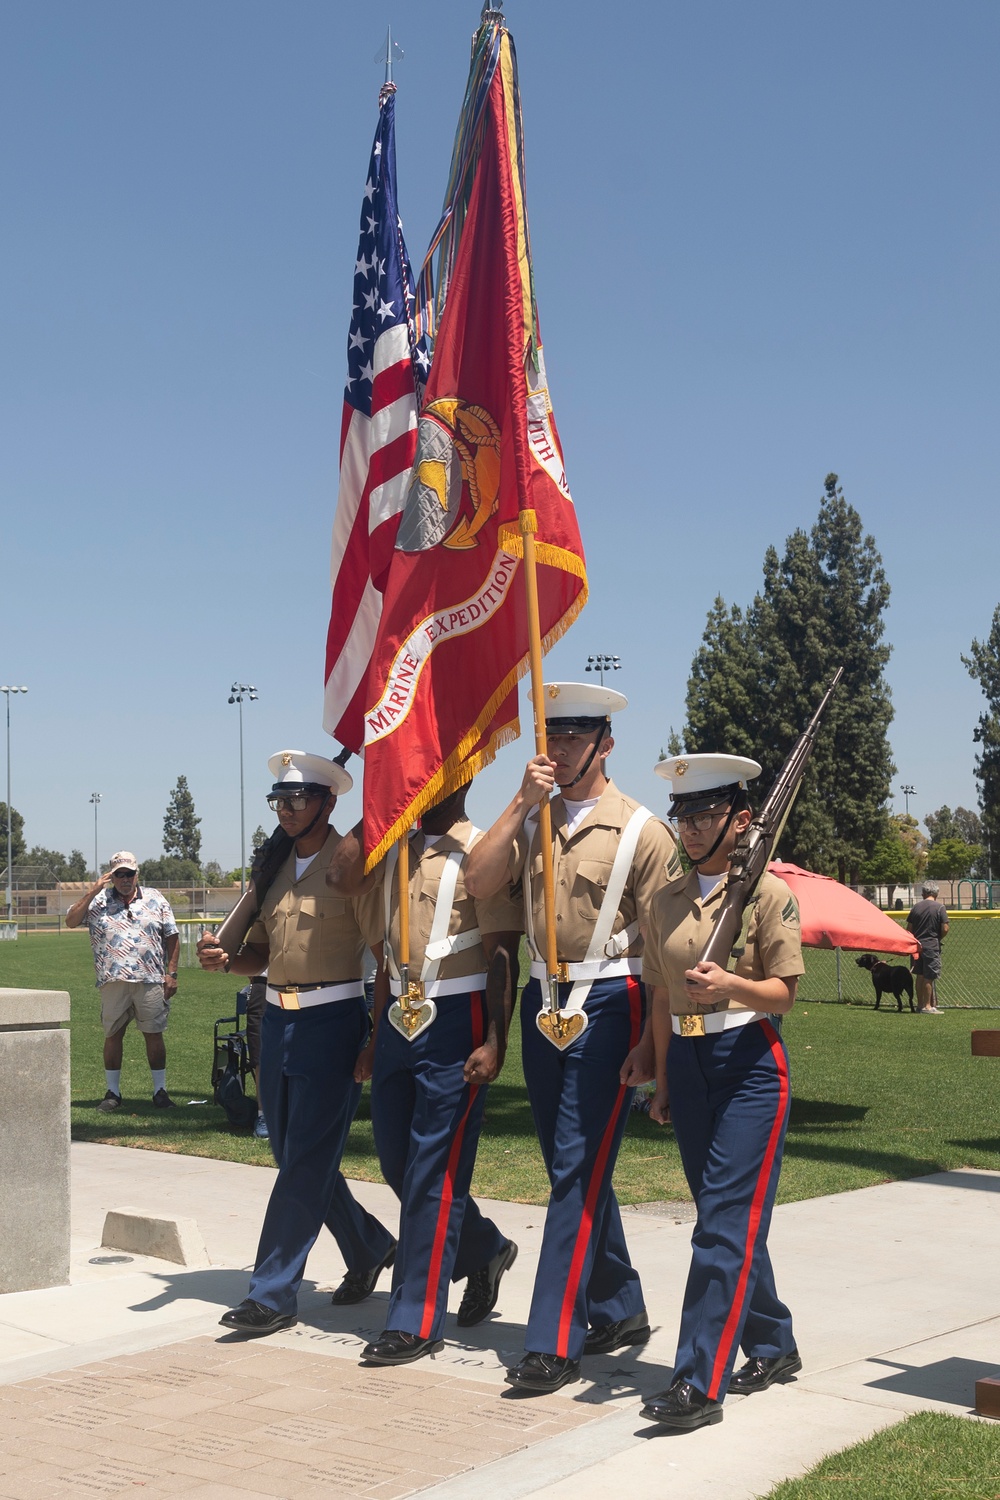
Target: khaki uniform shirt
679, 926
583, 864
311, 934
500, 913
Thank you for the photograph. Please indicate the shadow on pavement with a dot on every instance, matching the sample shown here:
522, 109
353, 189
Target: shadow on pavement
952, 1380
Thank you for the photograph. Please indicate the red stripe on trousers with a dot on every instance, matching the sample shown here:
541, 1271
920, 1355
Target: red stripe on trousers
593, 1189
448, 1186
756, 1206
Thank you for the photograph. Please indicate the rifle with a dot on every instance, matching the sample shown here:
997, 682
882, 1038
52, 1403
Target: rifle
753, 849
267, 861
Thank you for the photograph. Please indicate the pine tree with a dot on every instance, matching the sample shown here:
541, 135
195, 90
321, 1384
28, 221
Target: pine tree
857, 595
757, 679
16, 835
984, 666
720, 688
181, 839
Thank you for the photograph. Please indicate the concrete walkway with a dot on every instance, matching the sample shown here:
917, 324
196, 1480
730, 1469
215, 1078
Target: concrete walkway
124, 1378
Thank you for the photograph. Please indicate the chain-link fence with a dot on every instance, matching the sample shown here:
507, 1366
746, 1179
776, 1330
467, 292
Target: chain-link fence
190, 930
970, 964
970, 967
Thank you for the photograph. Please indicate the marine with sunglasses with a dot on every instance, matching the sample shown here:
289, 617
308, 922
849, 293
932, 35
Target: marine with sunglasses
315, 1025
721, 1069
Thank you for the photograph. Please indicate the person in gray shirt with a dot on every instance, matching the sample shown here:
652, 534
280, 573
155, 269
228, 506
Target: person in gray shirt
928, 921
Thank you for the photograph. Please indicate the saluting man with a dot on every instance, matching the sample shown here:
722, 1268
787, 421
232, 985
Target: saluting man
315, 1025
610, 856
722, 1079
431, 1061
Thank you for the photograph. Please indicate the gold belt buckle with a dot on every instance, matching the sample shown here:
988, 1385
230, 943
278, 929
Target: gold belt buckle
289, 1000
692, 1025
562, 971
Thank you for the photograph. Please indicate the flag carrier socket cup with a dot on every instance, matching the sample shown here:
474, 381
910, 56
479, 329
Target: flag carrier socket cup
412, 1013
559, 1026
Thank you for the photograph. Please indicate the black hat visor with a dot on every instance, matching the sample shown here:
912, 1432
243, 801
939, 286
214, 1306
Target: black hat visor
684, 804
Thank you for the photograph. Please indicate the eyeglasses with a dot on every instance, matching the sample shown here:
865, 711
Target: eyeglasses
124, 874
697, 822
295, 803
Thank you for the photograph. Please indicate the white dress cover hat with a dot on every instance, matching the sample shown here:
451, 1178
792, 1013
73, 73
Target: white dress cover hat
293, 770
700, 781
580, 700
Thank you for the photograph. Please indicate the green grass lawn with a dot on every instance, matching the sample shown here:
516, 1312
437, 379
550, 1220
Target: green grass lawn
877, 1096
928, 1457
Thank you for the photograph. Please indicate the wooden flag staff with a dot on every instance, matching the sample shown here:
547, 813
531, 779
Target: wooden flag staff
558, 1028
412, 1012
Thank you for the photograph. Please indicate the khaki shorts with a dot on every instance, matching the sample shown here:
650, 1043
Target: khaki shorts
122, 1002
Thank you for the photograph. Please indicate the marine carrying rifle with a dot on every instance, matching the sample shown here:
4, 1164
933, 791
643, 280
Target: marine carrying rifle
753, 849
267, 861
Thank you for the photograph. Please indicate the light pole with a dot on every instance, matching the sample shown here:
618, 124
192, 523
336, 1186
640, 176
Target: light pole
7, 692
237, 692
95, 798
908, 791
603, 664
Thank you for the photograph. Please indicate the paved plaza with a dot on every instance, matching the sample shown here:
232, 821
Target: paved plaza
123, 1381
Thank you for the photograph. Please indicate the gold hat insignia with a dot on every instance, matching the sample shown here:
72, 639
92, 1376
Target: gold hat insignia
680, 768
553, 692
286, 759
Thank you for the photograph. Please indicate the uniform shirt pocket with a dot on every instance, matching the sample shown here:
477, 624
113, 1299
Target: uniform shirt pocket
308, 921
589, 886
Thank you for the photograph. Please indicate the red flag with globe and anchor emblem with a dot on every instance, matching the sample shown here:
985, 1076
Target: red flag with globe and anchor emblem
453, 636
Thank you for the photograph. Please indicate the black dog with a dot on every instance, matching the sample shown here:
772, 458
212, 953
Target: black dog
888, 979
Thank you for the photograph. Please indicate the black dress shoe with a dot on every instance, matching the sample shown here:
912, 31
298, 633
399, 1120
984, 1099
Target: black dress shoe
483, 1288
543, 1372
254, 1317
607, 1337
683, 1406
758, 1373
394, 1347
357, 1285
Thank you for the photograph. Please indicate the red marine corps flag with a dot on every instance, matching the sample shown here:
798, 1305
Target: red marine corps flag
453, 636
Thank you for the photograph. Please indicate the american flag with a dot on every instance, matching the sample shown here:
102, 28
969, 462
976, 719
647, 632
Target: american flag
377, 441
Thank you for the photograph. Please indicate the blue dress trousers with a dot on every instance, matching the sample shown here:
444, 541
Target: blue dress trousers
729, 1104
584, 1276
309, 1098
427, 1121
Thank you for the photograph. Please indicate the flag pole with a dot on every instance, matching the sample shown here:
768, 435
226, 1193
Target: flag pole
529, 525
403, 872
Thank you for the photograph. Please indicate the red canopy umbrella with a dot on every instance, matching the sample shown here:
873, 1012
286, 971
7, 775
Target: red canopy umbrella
835, 917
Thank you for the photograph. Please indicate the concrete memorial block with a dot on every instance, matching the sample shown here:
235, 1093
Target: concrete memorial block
34, 1129
145, 1233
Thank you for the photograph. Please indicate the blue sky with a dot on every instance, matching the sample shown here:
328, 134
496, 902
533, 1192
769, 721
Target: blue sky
765, 243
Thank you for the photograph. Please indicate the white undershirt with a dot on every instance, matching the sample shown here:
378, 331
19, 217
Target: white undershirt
707, 883
576, 812
302, 865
